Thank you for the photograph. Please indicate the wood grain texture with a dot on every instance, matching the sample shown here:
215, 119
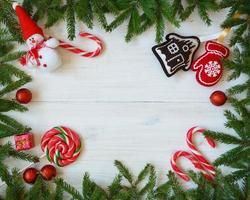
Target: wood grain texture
122, 105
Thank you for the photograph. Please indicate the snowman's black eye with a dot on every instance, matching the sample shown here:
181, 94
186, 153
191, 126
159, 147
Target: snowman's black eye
40, 57
44, 65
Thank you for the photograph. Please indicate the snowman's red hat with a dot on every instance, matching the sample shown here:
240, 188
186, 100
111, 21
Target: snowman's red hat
28, 26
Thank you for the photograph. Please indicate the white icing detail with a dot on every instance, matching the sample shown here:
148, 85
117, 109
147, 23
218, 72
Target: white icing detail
208, 84
185, 48
212, 69
173, 48
193, 41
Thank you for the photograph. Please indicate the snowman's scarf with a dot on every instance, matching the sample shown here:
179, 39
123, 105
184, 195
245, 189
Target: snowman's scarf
33, 54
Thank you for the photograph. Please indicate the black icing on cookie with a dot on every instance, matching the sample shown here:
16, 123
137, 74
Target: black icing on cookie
176, 53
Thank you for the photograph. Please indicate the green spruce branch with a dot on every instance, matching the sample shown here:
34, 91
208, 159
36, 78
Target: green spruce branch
203, 7
7, 151
139, 15
240, 24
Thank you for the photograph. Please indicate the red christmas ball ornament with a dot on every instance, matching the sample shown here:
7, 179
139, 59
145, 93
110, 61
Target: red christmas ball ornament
23, 96
30, 175
48, 172
218, 98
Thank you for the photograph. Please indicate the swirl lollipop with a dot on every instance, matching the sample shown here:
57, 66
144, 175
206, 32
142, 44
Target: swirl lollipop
61, 145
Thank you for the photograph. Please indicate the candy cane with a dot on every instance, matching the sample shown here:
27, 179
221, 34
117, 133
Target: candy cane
81, 52
195, 162
196, 152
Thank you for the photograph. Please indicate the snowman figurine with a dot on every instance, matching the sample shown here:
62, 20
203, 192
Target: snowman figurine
42, 53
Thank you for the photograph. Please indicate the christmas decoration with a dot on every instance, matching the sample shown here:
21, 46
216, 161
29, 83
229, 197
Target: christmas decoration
176, 53
230, 186
195, 162
48, 172
209, 67
42, 53
24, 141
30, 175
218, 98
61, 145
23, 96
198, 160
81, 52
204, 162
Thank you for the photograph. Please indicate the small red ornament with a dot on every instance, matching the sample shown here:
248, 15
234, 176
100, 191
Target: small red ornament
218, 98
30, 175
208, 67
48, 172
23, 96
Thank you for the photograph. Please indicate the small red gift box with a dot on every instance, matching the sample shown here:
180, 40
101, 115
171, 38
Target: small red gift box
24, 141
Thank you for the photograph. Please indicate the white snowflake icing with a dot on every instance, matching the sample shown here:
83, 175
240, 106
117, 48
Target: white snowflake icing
212, 68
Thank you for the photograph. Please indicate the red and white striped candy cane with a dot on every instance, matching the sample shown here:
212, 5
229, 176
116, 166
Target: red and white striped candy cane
81, 52
195, 162
189, 139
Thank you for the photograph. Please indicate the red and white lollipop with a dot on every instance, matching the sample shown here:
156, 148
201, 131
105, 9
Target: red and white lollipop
61, 145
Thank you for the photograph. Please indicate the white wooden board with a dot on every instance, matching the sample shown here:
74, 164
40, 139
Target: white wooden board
122, 104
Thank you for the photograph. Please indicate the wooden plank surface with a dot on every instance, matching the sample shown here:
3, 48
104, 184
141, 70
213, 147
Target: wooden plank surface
122, 105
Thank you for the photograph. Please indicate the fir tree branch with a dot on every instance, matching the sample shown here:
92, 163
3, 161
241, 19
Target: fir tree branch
11, 56
143, 174
237, 125
6, 131
84, 12
124, 171
176, 187
8, 105
39, 190
246, 187
204, 189
58, 193
4, 174
237, 175
14, 124
163, 191
232, 156
15, 85
203, 8
23, 156
8, 151
90, 190
115, 187
16, 190
120, 19
54, 16
7, 17
225, 138
149, 187
69, 189
70, 18
230, 190
98, 11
